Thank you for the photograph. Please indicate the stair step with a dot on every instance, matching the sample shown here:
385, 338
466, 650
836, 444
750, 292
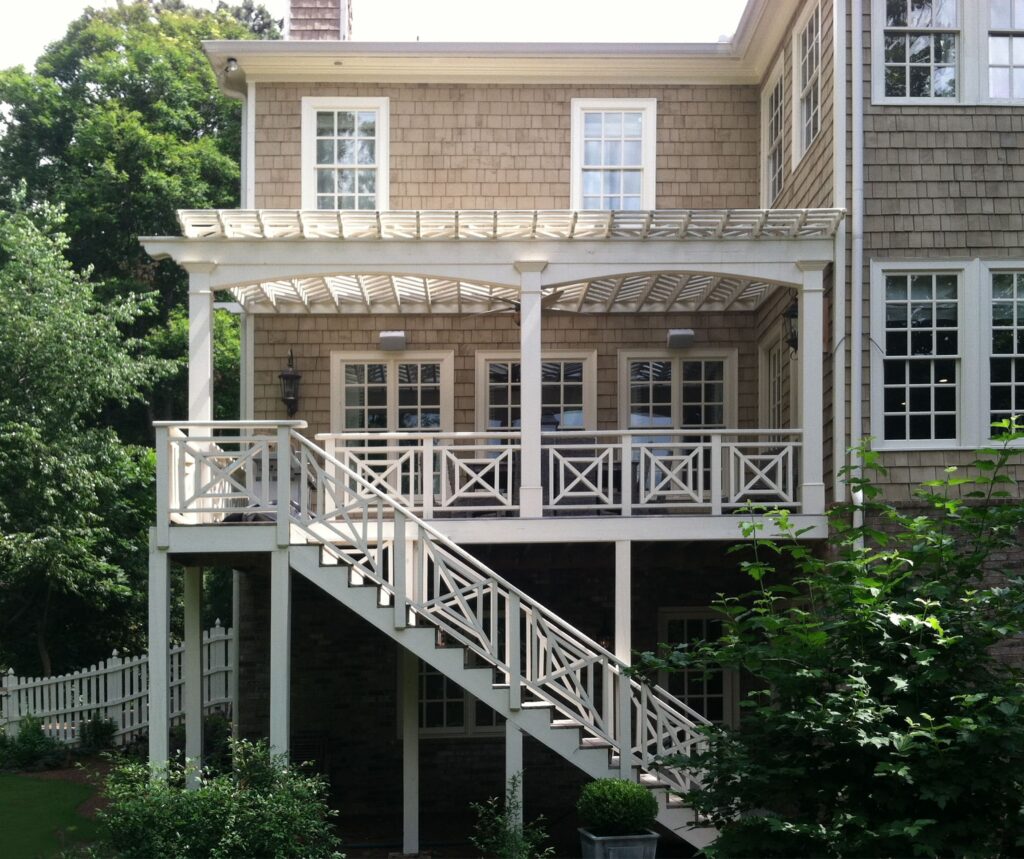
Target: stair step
595, 743
652, 781
536, 705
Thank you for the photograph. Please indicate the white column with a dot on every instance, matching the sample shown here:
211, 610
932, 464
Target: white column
531, 493
410, 698
514, 764
245, 363
192, 669
812, 324
159, 653
280, 651
236, 615
200, 343
624, 647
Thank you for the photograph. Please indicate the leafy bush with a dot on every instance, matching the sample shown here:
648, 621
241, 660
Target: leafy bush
498, 832
96, 734
31, 748
882, 722
263, 808
216, 742
615, 806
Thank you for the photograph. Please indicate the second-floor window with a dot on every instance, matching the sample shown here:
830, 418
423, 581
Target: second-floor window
772, 148
1006, 49
807, 80
920, 44
345, 153
613, 153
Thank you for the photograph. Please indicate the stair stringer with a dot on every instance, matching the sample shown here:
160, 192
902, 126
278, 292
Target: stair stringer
479, 682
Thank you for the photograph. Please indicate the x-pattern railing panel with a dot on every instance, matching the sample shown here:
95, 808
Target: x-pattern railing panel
671, 472
581, 474
395, 471
761, 472
212, 478
484, 477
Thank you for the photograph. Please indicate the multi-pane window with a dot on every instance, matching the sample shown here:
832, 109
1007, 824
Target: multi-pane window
773, 142
345, 153
921, 365
613, 159
920, 45
677, 392
712, 693
808, 60
776, 381
1006, 49
613, 154
445, 708
1006, 361
392, 395
346, 159
562, 392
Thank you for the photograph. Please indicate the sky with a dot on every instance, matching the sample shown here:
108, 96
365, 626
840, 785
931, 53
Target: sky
31, 26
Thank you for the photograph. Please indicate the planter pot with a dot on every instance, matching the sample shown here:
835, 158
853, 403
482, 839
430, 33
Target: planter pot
618, 846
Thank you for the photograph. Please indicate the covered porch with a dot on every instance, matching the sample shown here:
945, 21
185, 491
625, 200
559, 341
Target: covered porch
609, 320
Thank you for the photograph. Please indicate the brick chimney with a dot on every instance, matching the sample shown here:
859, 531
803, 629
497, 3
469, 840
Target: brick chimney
320, 19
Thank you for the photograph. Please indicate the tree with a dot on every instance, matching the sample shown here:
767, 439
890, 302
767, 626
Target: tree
881, 721
122, 123
75, 502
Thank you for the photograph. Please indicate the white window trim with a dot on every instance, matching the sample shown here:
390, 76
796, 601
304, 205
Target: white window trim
730, 677
773, 336
445, 359
972, 387
310, 105
972, 59
731, 375
797, 140
649, 108
774, 79
588, 357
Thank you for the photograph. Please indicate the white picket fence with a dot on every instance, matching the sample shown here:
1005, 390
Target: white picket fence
116, 689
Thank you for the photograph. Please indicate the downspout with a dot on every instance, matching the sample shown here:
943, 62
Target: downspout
857, 250
839, 266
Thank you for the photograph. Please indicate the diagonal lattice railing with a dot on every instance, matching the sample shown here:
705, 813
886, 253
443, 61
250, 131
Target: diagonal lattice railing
426, 577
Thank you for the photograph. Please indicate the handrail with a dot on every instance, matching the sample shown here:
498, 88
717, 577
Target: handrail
231, 424
643, 432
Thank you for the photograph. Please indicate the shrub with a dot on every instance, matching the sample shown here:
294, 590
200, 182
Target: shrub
96, 734
263, 808
615, 806
31, 748
880, 721
498, 832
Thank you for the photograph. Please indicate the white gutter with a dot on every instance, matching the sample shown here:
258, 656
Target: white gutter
857, 252
839, 266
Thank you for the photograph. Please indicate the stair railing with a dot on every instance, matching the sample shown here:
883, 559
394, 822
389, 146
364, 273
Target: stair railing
540, 656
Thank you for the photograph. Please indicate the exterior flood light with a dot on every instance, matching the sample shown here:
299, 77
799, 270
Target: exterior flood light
392, 341
680, 338
290, 377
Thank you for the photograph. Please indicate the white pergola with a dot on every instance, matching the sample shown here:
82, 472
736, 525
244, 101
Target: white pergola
291, 261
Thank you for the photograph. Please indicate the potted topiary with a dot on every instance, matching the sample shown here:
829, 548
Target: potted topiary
617, 816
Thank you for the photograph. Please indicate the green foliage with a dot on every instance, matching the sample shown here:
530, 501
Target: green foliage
31, 748
615, 806
96, 734
881, 721
75, 503
264, 808
498, 832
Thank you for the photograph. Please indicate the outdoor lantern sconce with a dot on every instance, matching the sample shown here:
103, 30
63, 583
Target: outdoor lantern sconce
679, 338
231, 66
790, 329
290, 377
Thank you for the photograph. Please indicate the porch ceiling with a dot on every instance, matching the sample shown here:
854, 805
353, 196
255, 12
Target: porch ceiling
387, 282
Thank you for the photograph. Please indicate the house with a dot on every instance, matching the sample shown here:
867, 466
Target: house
546, 319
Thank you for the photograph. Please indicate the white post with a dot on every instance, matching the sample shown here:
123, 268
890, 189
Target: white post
514, 765
159, 653
192, 669
280, 651
812, 489
410, 697
531, 493
13, 709
236, 589
200, 342
624, 646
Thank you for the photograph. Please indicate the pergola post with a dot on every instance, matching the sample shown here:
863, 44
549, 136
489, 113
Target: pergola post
200, 342
531, 492
812, 320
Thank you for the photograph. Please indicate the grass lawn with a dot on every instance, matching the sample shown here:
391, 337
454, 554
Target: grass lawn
38, 818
